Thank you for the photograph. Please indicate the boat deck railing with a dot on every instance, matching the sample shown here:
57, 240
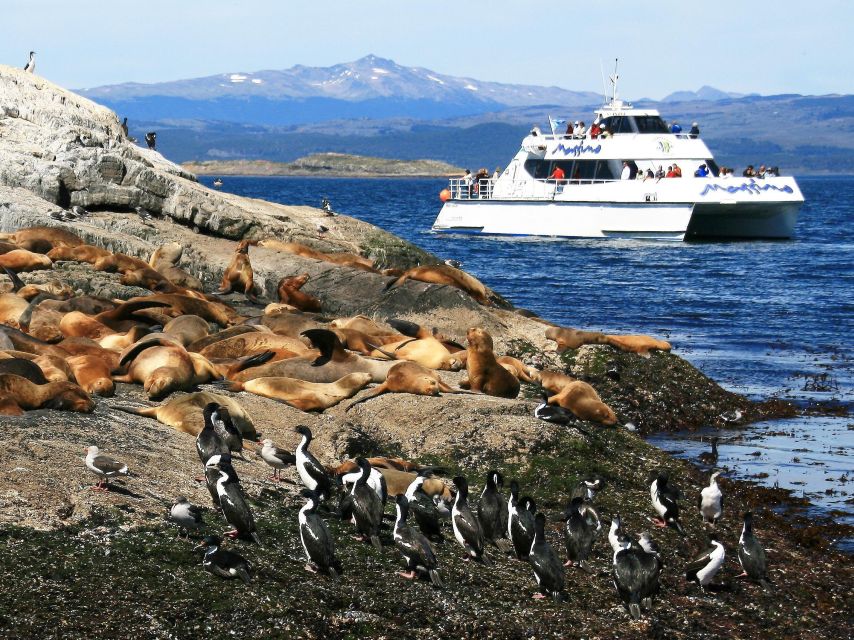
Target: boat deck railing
462, 189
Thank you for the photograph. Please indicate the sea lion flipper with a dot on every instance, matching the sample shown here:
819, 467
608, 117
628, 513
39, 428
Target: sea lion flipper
148, 412
252, 361
17, 283
405, 327
381, 389
125, 309
27, 315
326, 341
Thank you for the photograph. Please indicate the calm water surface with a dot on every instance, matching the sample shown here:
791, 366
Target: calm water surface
761, 318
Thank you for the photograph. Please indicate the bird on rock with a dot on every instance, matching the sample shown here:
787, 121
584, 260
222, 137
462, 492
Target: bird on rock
104, 467
277, 458
316, 541
223, 563
187, 516
416, 550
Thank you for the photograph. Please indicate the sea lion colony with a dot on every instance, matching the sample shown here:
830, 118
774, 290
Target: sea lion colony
59, 350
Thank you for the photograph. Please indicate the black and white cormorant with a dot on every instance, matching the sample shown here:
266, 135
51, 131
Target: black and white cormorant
231, 435
30, 67
327, 207
209, 442
467, 529
552, 413
311, 472
151, 139
376, 481
710, 457
520, 522
587, 488
222, 563
276, 458
316, 541
636, 573
711, 501
665, 500
492, 512
187, 516
580, 533
547, 567
232, 500
124, 126
366, 508
414, 547
751, 555
703, 568
424, 509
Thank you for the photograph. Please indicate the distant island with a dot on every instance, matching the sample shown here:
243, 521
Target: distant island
326, 164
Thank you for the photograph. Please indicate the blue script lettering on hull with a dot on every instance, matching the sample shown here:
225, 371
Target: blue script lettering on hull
751, 187
578, 149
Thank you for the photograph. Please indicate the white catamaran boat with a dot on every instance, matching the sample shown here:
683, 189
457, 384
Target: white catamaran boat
584, 187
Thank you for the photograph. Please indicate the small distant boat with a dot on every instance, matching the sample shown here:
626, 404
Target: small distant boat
576, 187
218, 182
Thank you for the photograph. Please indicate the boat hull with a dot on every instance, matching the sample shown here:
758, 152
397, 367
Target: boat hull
745, 220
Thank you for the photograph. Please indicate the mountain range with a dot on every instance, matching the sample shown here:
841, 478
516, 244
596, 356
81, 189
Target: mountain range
375, 107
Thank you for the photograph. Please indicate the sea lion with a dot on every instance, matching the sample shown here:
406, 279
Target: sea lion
22, 367
256, 342
363, 324
54, 289
93, 375
567, 338
397, 482
184, 413
187, 329
119, 262
444, 274
343, 258
426, 351
78, 253
554, 381
408, 377
363, 342
398, 464
18, 394
148, 278
286, 323
518, 368
638, 344
42, 239
29, 344
333, 363
53, 369
162, 366
582, 399
219, 336
485, 373
278, 308
86, 346
165, 261
238, 275
289, 293
306, 396
180, 304
24, 260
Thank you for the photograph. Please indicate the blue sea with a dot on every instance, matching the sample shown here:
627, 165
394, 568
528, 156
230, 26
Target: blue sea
764, 319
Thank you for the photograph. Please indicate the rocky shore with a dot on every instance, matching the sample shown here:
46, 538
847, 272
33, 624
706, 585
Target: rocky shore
337, 165
78, 563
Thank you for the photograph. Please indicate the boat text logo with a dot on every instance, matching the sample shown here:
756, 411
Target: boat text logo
578, 149
664, 145
751, 187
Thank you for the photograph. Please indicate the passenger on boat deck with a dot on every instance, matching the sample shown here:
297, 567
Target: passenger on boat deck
558, 174
467, 180
659, 174
761, 172
675, 128
677, 172
569, 130
535, 131
580, 129
749, 172
695, 130
497, 173
627, 171
640, 175
606, 133
482, 174
773, 172
595, 130
701, 172
649, 175
724, 172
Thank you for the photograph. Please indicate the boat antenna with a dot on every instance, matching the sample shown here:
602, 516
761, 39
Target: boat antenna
604, 84
614, 78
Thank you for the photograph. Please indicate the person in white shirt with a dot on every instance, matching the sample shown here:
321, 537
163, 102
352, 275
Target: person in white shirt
627, 171
580, 130
497, 173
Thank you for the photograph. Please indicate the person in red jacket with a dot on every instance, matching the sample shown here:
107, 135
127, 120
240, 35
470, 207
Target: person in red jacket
558, 174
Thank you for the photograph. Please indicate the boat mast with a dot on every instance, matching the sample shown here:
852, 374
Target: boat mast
614, 78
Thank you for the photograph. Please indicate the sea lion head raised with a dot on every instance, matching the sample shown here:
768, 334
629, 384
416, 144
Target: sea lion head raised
479, 339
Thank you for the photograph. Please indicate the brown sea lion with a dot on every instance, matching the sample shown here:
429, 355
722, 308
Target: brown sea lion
148, 278
230, 332
255, 342
78, 253
289, 293
444, 274
119, 262
398, 464
184, 413
11, 308
346, 259
485, 374
18, 394
53, 368
362, 342
278, 308
397, 482
582, 399
54, 289
426, 351
238, 275
408, 377
163, 366
333, 363
42, 239
187, 329
23, 260
29, 344
639, 344
180, 304
79, 346
306, 396
554, 381
365, 325
414, 330
287, 323
93, 375
567, 338
165, 260
518, 368
22, 367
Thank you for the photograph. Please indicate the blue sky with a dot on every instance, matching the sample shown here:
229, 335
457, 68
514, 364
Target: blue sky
776, 46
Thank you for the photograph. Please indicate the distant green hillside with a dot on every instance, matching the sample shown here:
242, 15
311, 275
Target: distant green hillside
325, 164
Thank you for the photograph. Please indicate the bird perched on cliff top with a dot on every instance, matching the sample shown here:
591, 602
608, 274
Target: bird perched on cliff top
104, 466
327, 207
222, 563
321, 229
30, 67
187, 516
144, 214
151, 139
124, 126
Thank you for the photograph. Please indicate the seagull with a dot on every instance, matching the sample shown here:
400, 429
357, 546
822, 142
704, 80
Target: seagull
276, 458
30, 67
105, 467
79, 211
145, 214
187, 516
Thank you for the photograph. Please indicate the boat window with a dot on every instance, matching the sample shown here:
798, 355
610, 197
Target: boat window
651, 124
539, 169
603, 171
621, 124
584, 170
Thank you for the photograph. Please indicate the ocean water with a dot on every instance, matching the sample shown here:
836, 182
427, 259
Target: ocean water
766, 318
